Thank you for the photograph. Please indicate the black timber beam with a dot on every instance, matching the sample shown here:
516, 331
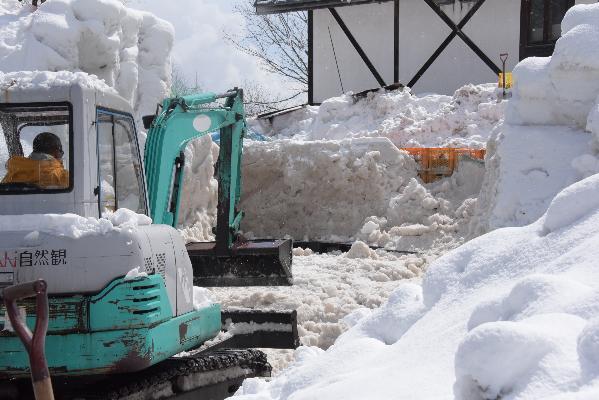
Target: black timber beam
311, 57
358, 48
396, 41
456, 30
272, 7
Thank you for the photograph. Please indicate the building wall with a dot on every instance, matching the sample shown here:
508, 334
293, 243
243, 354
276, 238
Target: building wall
495, 29
376, 43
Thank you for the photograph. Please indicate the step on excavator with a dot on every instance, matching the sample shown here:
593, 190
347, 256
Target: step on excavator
110, 334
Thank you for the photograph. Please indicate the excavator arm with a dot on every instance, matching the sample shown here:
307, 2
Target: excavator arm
230, 260
184, 119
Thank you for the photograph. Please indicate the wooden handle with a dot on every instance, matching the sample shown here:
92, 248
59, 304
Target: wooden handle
43, 389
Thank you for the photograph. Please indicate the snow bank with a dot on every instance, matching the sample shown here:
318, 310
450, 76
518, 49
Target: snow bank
463, 120
512, 314
72, 225
528, 165
562, 89
361, 188
128, 49
315, 189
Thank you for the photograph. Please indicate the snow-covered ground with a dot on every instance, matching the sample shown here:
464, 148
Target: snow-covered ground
326, 289
511, 314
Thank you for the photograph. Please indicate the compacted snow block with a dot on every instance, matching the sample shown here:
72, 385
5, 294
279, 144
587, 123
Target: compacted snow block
311, 189
561, 89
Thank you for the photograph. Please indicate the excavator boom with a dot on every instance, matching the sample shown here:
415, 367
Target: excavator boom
229, 260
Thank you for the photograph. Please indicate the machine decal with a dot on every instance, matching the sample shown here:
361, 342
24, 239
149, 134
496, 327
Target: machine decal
202, 123
33, 258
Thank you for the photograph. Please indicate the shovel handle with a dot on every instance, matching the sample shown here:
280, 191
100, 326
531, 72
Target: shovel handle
34, 342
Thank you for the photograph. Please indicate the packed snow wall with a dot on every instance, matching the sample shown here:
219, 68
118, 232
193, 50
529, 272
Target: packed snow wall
320, 188
336, 172
364, 188
544, 144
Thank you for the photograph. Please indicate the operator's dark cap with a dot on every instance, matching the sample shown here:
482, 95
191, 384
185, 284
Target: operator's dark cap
46, 142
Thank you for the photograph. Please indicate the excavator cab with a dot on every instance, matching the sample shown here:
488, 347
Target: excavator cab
102, 320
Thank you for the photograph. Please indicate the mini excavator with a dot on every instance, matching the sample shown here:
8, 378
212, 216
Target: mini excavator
110, 335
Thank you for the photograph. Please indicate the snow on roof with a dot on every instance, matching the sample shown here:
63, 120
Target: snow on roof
281, 6
23, 80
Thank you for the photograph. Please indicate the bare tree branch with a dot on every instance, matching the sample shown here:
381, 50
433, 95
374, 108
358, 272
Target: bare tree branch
180, 86
279, 41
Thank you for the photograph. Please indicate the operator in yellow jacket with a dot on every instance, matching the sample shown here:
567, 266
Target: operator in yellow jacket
43, 167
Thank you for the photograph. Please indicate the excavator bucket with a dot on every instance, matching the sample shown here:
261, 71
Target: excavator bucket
247, 263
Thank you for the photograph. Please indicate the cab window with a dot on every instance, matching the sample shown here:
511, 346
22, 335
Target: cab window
120, 173
35, 148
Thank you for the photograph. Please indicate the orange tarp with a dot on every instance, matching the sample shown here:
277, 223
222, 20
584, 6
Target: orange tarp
436, 163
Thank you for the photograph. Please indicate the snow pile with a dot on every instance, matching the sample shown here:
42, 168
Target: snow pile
128, 49
463, 120
314, 189
433, 218
562, 89
528, 165
72, 225
354, 189
511, 315
197, 214
47, 79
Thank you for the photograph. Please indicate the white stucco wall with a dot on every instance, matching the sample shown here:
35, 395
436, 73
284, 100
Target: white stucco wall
495, 29
377, 43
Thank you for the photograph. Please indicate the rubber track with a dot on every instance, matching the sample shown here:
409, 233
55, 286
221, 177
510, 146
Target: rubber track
152, 379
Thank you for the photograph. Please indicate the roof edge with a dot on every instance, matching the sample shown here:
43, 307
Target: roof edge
284, 7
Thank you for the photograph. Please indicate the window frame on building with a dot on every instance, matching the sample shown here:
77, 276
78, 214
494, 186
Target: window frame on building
544, 47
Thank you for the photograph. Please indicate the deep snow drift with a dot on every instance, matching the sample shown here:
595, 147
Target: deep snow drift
509, 315
512, 314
